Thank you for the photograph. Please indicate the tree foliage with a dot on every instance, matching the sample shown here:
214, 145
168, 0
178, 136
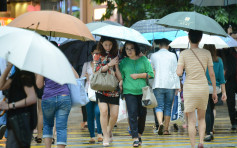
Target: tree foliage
135, 10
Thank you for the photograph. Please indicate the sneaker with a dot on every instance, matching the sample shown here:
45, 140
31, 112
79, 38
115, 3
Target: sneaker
2, 130
208, 138
160, 130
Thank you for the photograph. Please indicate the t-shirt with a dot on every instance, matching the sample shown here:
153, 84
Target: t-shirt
20, 79
194, 71
128, 67
52, 89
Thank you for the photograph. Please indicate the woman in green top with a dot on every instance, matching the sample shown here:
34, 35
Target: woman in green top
134, 70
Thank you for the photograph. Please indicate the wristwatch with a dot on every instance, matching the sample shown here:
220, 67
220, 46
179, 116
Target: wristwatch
13, 105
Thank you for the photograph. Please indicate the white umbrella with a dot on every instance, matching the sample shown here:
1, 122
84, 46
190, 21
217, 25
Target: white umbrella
29, 51
121, 33
183, 42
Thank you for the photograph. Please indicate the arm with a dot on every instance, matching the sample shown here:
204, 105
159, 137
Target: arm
75, 73
180, 69
223, 97
213, 81
118, 73
4, 82
29, 100
83, 73
112, 63
39, 81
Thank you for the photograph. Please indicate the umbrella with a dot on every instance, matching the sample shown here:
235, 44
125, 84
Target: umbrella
183, 42
112, 23
150, 26
121, 33
54, 24
192, 20
170, 35
29, 51
213, 2
230, 41
95, 25
78, 52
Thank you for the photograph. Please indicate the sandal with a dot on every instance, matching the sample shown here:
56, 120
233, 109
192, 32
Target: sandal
136, 144
100, 139
38, 140
53, 141
92, 141
140, 141
160, 130
166, 132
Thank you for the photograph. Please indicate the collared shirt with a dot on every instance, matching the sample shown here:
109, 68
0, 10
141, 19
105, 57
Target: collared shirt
165, 64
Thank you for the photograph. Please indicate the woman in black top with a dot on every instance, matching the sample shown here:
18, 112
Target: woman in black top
21, 99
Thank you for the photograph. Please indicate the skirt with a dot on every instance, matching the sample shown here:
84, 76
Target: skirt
105, 99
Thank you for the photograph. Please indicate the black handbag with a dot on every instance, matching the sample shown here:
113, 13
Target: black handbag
20, 124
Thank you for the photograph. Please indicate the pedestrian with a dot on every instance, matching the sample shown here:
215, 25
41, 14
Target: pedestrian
195, 90
135, 69
92, 107
166, 82
21, 100
56, 103
220, 85
107, 60
231, 84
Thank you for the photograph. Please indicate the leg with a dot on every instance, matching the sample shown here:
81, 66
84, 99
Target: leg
63, 108
40, 119
104, 120
201, 124
169, 98
113, 118
141, 118
90, 118
160, 108
155, 118
84, 115
97, 115
231, 106
48, 110
191, 127
132, 107
209, 114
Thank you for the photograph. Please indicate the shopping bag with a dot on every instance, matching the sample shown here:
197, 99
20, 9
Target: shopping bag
78, 93
91, 94
122, 110
176, 109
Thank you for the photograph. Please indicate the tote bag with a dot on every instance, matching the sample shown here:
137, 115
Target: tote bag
148, 97
104, 81
78, 93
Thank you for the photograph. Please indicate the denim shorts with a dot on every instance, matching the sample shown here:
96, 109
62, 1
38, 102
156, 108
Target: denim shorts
56, 107
164, 99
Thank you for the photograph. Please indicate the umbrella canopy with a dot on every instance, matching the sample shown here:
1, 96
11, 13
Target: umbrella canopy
183, 42
54, 24
95, 25
213, 2
150, 26
121, 33
230, 41
192, 20
29, 51
170, 35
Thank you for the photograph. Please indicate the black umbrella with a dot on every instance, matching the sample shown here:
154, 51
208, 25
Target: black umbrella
78, 52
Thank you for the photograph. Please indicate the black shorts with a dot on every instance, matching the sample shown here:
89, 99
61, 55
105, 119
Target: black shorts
105, 99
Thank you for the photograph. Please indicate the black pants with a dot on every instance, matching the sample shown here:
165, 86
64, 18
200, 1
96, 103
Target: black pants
136, 114
84, 114
155, 118
209, 115
230, 92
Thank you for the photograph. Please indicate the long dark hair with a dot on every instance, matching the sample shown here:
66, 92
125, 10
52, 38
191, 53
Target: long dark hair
113, 52
212, 49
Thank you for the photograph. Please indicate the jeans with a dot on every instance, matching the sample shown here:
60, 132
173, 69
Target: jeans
136, 114
164, 99
3, 121
12, 142
93, 111
59, 107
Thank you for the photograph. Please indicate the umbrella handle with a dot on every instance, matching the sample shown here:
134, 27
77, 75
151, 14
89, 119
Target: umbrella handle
37, 26
3, 112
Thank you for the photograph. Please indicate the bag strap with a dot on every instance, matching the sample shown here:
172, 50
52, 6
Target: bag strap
199, 61
147, 80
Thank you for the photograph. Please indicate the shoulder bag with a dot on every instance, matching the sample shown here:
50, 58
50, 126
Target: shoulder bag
104, 81
148, 97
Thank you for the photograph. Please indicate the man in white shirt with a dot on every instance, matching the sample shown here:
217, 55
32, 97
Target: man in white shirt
165, 83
